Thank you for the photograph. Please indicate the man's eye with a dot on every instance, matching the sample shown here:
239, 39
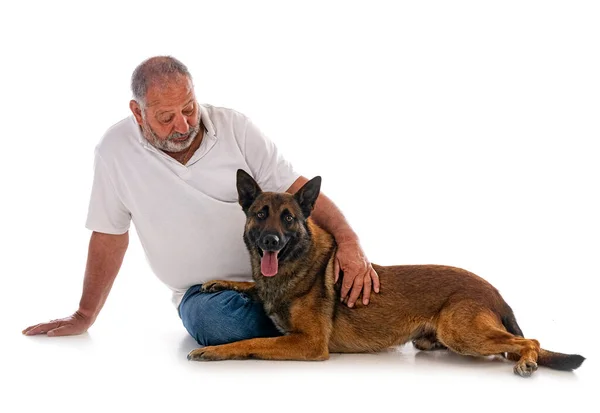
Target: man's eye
167, 120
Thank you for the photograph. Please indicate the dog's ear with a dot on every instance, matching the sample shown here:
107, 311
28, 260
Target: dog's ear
248, 189
308, 194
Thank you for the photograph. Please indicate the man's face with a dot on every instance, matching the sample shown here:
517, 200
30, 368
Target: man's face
170, 120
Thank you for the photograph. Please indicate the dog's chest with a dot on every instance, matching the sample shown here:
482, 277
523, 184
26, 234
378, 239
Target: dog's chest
279, 315
274, 295
279, 323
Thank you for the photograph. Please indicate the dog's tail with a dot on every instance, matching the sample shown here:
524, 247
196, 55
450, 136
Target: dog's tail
557, 361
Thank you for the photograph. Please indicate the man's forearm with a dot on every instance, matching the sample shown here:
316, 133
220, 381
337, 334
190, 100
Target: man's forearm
105, 256
358, 273
328, 216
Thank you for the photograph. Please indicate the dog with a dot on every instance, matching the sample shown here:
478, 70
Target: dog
434, 306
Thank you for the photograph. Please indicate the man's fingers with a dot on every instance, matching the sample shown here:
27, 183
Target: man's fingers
366, 289
375, 277
356, 290
61, 331
29, 329
347, 284
40, 328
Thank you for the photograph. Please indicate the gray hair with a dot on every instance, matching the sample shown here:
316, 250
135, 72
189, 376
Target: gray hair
152, 70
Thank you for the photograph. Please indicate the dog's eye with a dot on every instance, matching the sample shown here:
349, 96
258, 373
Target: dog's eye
261, 215
289, 218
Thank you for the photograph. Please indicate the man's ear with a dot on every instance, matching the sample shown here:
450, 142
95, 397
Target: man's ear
248, 189
136, 109
308, 194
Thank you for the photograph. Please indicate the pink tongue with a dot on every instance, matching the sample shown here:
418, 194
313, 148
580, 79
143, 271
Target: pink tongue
268, 263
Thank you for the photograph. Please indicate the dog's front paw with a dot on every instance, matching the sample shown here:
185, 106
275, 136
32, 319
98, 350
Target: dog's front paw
204, 354
215, 286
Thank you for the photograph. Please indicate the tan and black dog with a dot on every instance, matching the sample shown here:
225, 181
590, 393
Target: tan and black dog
434, 306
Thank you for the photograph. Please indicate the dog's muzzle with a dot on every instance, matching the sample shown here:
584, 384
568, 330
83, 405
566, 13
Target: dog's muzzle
270, 242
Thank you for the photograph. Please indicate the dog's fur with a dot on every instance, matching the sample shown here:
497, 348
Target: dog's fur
435, 306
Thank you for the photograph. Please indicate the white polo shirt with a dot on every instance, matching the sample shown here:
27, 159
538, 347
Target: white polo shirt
187, 216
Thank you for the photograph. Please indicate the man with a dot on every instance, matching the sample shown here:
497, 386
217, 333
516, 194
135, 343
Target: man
171, 168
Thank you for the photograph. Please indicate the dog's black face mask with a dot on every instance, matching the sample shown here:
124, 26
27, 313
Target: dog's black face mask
276, 227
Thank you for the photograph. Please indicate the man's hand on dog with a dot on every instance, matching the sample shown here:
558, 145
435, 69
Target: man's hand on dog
359, 275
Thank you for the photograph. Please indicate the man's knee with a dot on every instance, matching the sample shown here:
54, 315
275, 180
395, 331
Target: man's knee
224, 317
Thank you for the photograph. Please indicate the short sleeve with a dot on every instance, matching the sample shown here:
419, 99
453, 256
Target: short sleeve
267, 165
106, 212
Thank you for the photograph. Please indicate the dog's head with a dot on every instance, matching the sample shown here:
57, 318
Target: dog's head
276, 229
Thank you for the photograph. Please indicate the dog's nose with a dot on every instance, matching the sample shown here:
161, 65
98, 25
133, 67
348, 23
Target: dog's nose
270, 241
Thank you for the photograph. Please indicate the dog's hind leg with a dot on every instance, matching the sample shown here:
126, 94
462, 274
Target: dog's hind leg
428, 341
471, 329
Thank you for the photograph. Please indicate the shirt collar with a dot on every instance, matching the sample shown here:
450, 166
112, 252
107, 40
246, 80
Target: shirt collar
207, 122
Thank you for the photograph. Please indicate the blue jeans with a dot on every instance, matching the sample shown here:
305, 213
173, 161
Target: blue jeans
223, 317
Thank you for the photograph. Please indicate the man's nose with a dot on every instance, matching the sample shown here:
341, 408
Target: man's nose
181, 124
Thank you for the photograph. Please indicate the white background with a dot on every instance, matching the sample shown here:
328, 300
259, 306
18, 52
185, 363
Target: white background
460, 133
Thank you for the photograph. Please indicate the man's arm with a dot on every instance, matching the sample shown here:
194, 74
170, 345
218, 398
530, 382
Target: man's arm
359, 274
105, 256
